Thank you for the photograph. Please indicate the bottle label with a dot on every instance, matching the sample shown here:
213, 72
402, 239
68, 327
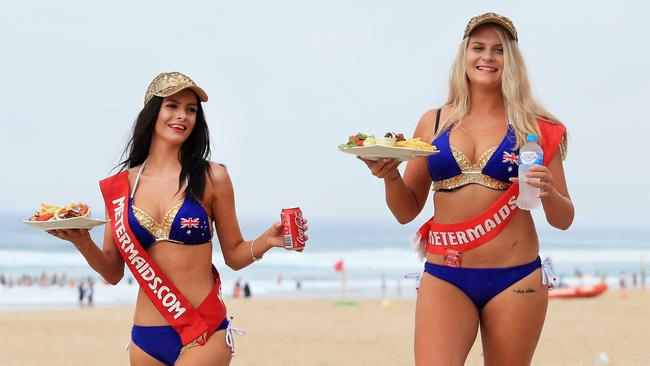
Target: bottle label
530, 157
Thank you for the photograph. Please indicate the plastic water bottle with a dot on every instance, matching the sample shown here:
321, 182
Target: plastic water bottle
530, 154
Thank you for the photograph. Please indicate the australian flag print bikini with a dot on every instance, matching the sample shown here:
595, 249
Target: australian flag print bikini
185, 223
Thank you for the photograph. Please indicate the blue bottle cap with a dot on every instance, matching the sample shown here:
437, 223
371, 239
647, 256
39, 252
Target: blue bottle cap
531, 137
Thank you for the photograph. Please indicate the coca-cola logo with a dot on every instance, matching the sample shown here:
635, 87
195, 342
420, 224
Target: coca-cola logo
301, 230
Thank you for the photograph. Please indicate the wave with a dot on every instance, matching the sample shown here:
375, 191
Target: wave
383, 258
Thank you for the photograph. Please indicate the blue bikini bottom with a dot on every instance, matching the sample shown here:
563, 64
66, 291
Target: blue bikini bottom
161, 342
481, 284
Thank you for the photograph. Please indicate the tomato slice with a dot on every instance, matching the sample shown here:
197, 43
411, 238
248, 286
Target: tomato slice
45, 217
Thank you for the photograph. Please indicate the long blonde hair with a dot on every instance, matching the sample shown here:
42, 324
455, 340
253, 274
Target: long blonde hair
521, 108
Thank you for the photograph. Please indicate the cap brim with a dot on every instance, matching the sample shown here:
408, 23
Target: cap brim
496, 21
203, 97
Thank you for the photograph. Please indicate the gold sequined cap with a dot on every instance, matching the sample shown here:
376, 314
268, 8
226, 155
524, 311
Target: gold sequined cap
169, 83
491, 18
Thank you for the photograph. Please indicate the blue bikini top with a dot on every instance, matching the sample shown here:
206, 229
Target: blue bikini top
451, 169
185, 223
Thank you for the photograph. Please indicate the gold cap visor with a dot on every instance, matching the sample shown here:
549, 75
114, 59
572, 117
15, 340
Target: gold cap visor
170, 83
491, 18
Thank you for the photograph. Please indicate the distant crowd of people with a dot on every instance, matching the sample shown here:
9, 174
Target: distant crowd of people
44, 280
47, 280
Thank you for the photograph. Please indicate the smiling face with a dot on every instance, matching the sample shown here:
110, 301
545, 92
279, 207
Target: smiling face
177, 117
485, 58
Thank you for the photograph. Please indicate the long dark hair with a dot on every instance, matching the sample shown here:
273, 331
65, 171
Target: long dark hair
194, 155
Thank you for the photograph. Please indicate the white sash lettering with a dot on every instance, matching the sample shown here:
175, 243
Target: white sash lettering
467, 236
169, 301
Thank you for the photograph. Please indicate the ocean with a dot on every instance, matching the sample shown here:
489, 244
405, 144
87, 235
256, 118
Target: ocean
377, 258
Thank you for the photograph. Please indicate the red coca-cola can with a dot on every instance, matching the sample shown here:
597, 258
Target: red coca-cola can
292, 229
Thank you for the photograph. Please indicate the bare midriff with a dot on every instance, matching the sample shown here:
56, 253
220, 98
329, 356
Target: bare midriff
516, 244
188, 267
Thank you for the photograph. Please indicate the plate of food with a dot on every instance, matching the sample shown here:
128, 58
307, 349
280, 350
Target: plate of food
72, 216
392, 146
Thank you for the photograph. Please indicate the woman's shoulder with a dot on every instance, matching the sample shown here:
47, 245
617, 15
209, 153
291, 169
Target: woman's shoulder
430, 116
218, 170
218, 183
217, 176
426, 127
132, 173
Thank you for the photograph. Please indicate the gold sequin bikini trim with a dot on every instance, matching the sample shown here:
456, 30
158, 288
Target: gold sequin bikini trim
160, 231
471, 173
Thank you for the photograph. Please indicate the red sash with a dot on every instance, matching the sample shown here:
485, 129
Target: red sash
469, 234
193, 325
454, 239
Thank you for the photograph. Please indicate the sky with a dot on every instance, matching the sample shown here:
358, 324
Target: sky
290, 80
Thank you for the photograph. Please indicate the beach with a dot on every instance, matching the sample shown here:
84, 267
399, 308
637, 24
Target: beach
330, 332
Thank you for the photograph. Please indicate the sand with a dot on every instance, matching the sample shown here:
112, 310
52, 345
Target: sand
330, 332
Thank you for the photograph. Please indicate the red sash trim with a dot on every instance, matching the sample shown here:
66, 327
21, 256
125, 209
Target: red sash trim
469, 234
190, 324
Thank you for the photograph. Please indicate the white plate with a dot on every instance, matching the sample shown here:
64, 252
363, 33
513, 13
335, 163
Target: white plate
73, 223
376, 152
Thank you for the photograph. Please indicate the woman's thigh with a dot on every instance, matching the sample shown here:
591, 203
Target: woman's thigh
446, 322
215, 352
138, 357
512, 321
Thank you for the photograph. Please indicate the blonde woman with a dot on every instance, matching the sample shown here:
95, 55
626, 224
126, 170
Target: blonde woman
482, 267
